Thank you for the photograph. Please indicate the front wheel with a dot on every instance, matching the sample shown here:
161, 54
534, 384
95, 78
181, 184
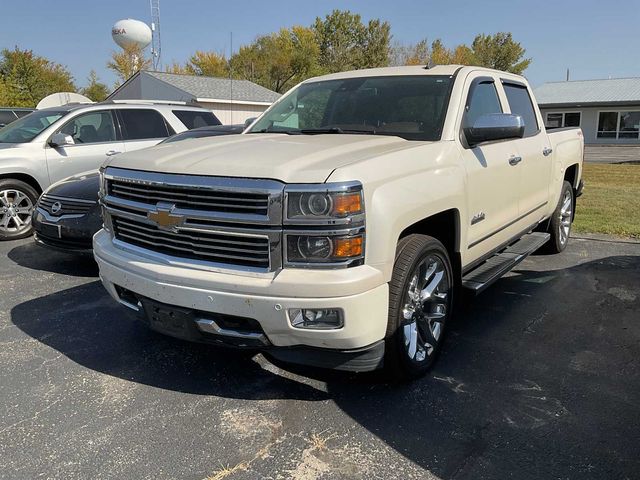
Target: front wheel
420, 303
17, 200
560, 223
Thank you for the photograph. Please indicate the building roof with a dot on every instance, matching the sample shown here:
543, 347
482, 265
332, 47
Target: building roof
214, 88
594, 92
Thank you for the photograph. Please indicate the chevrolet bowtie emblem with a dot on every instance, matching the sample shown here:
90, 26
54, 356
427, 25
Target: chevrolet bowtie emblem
163, 217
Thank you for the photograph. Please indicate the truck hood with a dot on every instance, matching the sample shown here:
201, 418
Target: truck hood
288, 158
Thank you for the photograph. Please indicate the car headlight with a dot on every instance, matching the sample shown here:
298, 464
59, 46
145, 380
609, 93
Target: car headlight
339, 208
324, 248
330, 203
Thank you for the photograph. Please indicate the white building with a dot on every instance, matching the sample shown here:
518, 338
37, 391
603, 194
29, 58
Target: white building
232, 101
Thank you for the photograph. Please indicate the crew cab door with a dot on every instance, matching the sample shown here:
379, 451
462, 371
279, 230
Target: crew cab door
142, 127
492, 182
534, 150
94, 138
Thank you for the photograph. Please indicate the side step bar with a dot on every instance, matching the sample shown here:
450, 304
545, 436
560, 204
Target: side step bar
496, 266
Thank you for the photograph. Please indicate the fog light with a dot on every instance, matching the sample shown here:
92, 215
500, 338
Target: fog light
316, 319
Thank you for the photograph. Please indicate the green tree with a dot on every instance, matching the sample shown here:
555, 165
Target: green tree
346, 43
280, 60
209, 64
26, 78
500, 51
95, 90
127, 62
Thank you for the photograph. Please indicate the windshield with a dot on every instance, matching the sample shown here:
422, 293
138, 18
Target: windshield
411, 107
29, 127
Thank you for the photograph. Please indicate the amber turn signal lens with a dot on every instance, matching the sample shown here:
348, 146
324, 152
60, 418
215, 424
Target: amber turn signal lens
348, 247
348, 204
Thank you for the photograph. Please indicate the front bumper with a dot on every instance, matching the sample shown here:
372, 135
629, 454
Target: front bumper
360, 292
72, 234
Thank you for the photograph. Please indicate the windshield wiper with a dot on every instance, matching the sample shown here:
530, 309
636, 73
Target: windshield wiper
336, 130
268, 130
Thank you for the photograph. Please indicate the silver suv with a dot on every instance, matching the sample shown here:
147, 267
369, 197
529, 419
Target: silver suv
55, 143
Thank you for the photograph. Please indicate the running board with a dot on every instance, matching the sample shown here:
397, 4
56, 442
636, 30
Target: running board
496, 266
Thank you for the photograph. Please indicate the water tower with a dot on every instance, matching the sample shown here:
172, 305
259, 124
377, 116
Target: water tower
131, 33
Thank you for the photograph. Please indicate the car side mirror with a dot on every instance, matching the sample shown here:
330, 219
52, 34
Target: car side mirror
60, 140
249, 121
494, 126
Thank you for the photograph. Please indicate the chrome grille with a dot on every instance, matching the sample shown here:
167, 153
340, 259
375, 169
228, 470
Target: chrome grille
251, 251
192, 198
67, 206
219, 222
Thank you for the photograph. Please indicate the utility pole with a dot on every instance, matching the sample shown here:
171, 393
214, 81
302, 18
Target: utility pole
230, 78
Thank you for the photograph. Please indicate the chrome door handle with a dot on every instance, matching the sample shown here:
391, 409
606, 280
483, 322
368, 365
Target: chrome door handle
111, 153
547, 151
515, 160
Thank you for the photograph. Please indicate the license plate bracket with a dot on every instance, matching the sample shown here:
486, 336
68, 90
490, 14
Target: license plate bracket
51, 230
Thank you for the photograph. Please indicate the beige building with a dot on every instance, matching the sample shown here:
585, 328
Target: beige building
232, 101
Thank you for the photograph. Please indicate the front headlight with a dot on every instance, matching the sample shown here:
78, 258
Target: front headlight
330, 203
329, 224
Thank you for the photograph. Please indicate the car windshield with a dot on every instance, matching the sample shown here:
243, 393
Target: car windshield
30, 126
411, 107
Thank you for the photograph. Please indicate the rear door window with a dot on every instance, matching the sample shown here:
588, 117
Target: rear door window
143, 123
194, 119
520, 104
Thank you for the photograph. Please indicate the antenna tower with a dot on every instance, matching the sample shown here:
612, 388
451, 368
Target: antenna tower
155, 30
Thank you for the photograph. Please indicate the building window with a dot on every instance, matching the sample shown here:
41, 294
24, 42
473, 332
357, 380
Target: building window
563, 119
619, 125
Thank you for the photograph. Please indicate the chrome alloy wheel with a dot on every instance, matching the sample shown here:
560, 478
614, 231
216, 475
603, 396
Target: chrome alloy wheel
425, 308
566, 212
15, 211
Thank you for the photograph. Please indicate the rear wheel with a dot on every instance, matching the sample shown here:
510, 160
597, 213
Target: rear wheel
17, 200
420, 303
560, 223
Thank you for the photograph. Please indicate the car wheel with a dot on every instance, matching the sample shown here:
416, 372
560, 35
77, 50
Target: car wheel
420, 303
17, 200
560, 223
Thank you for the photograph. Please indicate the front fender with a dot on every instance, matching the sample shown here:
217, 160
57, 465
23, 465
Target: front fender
402, 189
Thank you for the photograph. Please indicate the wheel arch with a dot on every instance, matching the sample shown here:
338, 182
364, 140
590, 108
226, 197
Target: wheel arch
23, 177
445, 227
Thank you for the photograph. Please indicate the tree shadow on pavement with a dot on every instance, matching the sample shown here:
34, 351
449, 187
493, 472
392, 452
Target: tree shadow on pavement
86, 325
35, 257
538, 378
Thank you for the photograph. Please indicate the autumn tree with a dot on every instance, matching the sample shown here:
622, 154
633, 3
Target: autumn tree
127, 62
210, 64
95, 89
26, 78
346, 43
501, 52
280, 60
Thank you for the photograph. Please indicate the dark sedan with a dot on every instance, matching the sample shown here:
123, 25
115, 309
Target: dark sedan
67, 214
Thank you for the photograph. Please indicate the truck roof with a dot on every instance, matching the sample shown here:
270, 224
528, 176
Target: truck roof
405, 70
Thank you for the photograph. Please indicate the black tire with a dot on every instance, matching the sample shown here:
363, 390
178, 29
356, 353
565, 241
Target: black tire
560, 233
412, 252
9, 228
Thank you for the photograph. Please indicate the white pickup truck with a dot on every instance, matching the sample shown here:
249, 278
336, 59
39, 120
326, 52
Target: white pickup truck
337, 230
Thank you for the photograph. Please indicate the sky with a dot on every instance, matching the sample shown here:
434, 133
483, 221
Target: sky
593, 39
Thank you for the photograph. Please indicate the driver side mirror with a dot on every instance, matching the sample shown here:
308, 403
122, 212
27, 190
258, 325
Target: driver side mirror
60, 140
494, 126
249, 121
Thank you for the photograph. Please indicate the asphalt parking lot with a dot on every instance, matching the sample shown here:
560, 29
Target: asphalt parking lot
539, 378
